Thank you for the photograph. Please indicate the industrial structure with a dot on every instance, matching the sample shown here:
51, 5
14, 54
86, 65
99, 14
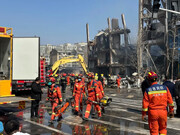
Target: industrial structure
108, 52
158, 38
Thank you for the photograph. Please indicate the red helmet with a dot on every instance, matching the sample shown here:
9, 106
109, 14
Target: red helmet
64, 74
73, 74
52, 79
152, 76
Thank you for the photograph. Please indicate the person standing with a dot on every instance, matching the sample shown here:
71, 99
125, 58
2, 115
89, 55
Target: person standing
156, 99
55, 97
93, 96
118, 81
177, 96
36, 95
170, 85
63, 82
145, 84
78, 93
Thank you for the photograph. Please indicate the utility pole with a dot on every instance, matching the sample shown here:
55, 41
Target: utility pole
139, 43
110, 45
87, 34
173, 51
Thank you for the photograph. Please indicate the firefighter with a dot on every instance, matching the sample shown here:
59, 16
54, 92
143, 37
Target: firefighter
155, 101
55, 97
96, 76
93, 97
118, 80
72, 81
79, 91
101, 94
68, 79
102, 79
63, 82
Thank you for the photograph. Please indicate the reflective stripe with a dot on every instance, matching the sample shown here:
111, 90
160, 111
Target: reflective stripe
77, 106
99, 111
102, 91
97, 94
162, 134
87, 112
157, 92
145, 109
87, 128
171, 104
53, 113
60, 98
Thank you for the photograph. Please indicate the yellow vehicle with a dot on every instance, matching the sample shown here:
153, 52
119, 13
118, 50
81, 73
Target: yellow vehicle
69, 59
6, 70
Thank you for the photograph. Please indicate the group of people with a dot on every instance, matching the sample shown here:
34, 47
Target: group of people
91, 89
158, 102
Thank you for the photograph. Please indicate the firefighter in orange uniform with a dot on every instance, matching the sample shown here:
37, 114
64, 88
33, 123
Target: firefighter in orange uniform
93, 96
68, 79
156, 99
54, 95
79, 91
118, 80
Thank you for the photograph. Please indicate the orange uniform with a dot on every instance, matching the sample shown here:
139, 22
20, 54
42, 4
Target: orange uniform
68, 80
54, 96
101, 92
155, 101
93, 95
118, 81
79, 90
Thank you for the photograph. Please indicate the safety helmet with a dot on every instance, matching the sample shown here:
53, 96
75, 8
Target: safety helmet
96, 74
152, 76
73, 74
64, 74
52, 79
102, 75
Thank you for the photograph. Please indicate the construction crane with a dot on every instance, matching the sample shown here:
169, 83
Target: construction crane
69, 59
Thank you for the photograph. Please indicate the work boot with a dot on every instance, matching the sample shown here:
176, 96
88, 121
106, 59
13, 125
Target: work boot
85, 119
102, 111
75, 112
60, 118
51, 122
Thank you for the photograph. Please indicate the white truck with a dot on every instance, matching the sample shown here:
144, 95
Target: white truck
19, 61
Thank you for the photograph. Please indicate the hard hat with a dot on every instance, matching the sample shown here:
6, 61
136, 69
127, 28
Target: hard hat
96, 74
64, 74
102, 75
76, 74
52, 79
109, 75
152, 76
73, 74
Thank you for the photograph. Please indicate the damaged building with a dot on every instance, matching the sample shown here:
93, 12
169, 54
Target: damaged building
111, 52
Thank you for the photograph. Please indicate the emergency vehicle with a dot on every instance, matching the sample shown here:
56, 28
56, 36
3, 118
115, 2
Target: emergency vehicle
19, 64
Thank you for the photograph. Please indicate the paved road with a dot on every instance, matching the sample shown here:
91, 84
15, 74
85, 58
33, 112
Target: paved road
122, 117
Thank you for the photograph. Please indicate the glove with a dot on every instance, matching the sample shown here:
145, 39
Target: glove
97, 99
171, 114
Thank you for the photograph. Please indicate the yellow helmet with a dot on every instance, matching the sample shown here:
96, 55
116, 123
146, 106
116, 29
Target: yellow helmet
96, 74
55, 75
102, 75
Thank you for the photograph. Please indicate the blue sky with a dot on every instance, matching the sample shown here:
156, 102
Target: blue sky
64, 21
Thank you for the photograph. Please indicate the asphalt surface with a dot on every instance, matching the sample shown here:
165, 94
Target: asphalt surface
122, 117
